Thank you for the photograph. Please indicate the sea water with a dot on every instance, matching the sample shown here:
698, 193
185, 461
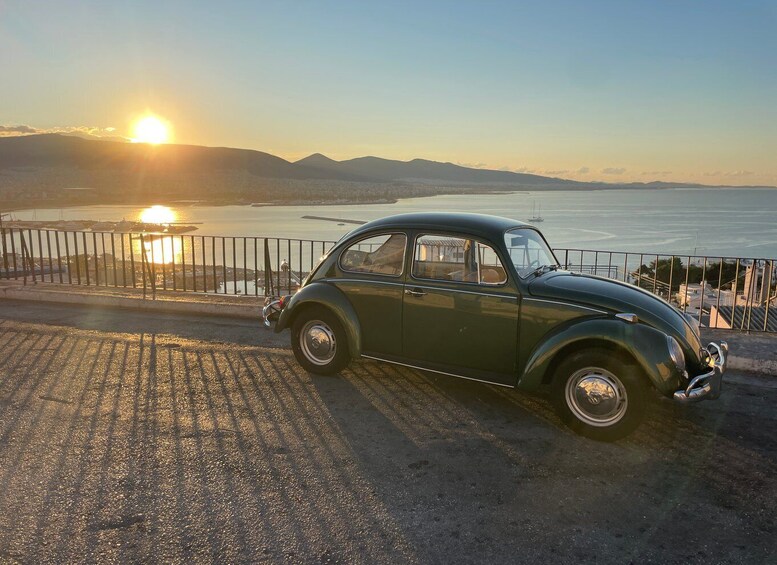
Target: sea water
734, 222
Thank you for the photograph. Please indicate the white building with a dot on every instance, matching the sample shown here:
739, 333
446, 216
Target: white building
693, 296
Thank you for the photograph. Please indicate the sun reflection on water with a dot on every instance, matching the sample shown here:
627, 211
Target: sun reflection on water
159, 249
157, 214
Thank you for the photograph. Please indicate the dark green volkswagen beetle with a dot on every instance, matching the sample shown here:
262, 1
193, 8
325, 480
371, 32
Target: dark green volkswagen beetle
484, 298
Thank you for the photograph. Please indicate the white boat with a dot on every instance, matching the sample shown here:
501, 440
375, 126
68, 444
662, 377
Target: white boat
536, 215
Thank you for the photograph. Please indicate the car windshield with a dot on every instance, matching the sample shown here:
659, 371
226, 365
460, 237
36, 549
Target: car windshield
528, 251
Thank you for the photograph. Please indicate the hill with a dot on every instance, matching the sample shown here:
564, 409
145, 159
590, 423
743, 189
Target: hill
422, 170
56, 151
60, 151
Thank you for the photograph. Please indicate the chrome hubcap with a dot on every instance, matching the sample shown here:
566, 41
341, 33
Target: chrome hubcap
317, 342
596, 396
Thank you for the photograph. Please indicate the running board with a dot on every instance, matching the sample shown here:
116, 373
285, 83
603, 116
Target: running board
373, 358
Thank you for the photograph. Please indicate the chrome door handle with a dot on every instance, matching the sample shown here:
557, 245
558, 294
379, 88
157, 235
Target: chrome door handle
414, 292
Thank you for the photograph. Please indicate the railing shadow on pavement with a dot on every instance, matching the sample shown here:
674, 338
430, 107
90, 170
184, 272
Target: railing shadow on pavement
150, 447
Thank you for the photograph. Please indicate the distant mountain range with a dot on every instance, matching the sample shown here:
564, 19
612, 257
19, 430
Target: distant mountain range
424, 171
40, 166
55, 150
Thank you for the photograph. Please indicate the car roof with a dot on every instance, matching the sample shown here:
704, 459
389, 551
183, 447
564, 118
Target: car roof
483, 225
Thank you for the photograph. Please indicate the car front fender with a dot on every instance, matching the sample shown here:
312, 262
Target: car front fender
645, 344
327, 296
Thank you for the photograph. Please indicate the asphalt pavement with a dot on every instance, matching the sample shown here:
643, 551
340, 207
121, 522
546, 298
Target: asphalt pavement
129, 437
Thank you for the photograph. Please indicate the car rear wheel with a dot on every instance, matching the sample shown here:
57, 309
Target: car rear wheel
319, 342
598, 395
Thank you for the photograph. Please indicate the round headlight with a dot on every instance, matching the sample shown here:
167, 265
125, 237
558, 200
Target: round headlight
676, 353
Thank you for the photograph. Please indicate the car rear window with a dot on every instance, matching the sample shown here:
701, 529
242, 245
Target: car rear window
381, 254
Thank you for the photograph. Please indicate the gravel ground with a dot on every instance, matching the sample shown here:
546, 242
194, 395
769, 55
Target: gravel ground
124, 437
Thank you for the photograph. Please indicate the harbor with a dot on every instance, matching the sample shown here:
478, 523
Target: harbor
122, 226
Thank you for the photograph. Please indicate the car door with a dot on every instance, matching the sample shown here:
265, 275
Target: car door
460, 312
370, 274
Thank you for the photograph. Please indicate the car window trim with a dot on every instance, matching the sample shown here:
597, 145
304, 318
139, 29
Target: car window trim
458, 235
538, 232
368, 273
337, 280
510, 295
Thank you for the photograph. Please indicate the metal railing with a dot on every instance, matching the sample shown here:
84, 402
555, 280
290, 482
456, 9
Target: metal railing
259, 266
722, 292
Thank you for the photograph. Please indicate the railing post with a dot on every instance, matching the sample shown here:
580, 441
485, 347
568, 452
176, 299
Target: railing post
40, 252
256, 267
59, 257
224, 260
142, 265
23, 246
5, 255
750, 297
86, 258
149, 269
717, 302
703, 286
234, 265
27, 261
268, 276
96, 261
67, 259
245, 270
734, 289
113, 261
51, 256
768, 283
288, 264
213, 259
132, 261
687, 274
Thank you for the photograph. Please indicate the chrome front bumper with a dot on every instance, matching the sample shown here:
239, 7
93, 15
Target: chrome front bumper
707, 386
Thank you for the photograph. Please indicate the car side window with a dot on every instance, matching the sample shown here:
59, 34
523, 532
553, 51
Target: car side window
446, 258
381, 254
528, 251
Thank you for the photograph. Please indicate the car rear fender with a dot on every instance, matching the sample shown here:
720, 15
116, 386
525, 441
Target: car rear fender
644, 344
327, 296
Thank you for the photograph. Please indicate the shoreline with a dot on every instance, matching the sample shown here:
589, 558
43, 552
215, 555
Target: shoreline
48, 205
54, 204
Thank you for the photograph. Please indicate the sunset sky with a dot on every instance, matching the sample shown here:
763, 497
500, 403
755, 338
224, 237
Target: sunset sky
613, 91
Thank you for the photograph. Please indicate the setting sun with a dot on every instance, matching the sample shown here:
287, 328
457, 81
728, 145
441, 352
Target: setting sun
151, 129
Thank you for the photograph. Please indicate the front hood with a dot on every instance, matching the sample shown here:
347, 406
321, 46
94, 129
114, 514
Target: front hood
618, 297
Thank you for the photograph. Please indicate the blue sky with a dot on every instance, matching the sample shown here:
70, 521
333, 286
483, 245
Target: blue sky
589, 90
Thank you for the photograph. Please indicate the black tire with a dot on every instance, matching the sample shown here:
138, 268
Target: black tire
599, 395
313, 333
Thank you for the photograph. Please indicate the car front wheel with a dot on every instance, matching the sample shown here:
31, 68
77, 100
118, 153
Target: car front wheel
318, 341
598, 395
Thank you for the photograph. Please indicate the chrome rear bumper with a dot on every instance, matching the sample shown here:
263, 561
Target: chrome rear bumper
272, 309
707, 386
